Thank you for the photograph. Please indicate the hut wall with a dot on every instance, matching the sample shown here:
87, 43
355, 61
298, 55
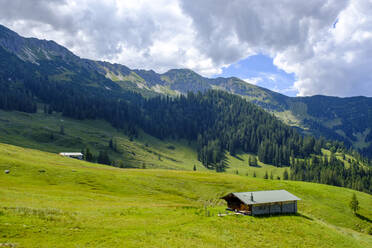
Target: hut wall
234, 204
260, 209
274, 208
290, 207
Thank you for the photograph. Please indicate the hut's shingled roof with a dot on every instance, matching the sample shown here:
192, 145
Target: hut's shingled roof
260, 197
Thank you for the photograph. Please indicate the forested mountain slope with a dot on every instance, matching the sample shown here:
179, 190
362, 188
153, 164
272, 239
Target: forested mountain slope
50, 77
345, 119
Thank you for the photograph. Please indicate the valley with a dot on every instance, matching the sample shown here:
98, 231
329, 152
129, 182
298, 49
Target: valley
161, 149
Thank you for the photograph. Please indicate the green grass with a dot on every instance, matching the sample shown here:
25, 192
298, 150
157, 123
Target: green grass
239, 165
50, 201
289, 118
361, 139
34, 131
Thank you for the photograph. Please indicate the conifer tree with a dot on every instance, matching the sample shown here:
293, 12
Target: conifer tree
62, 130
285, 175
88, 156
103, 158
255, 162
354, 203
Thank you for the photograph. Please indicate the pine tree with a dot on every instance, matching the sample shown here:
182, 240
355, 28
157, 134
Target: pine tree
62, 130
103, 158
266, 176
120, 164
271, 176
254, 174
50, 110
252, 161
115, 145
354, 203
88, 156
285, 175
194, 169
255, 162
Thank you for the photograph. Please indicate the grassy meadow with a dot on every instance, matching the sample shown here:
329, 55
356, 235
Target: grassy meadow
50, 201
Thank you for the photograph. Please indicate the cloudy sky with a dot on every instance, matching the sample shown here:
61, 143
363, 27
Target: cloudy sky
291, 46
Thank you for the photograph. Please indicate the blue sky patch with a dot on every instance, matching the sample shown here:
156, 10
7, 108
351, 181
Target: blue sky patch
260, 70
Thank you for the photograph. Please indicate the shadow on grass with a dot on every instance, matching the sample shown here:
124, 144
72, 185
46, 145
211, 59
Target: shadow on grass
255, 166
280, 215
363, 218
238, 157
304, 216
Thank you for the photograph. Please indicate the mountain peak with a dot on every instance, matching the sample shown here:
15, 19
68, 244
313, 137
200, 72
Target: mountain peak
31, 49
182, 71
6, 31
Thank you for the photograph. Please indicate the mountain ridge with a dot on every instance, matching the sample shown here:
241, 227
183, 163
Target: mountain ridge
342, 118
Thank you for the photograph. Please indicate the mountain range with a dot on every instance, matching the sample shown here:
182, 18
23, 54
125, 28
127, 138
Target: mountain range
345, 119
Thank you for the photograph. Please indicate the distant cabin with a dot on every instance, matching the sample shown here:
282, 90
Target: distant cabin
77, 155
262, 202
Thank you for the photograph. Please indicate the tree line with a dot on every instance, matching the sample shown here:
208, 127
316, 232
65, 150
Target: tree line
333, 171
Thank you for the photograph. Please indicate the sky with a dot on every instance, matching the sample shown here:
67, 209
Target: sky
293, 47
260, 70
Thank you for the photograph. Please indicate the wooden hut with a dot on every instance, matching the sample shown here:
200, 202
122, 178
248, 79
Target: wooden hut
262, 202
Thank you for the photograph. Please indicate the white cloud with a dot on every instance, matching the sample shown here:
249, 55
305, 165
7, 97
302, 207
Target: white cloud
342, 56
140, 34
326, 44
253, 80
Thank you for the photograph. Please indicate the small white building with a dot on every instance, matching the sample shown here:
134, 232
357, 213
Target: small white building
77, 155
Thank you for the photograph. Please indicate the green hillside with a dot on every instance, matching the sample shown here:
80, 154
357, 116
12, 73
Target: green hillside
42, 132
50, 201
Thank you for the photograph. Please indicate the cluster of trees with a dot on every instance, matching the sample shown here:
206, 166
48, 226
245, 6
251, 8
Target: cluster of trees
16, 99
13, 96
332, 171
252, 161
223, 122
102, 157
